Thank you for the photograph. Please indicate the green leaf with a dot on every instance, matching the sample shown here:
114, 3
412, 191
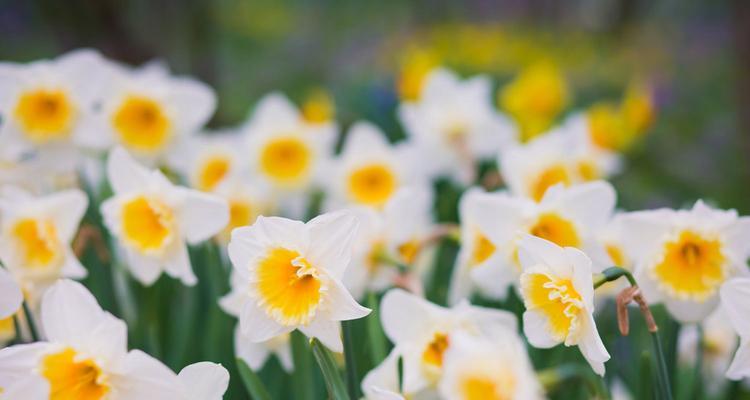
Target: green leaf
352, 381
334, 383
303, 386
375, 336
253, 384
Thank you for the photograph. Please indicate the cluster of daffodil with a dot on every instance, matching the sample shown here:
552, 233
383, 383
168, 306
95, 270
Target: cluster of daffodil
83, 134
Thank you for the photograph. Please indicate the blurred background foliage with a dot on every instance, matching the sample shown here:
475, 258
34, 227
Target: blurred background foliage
695, 54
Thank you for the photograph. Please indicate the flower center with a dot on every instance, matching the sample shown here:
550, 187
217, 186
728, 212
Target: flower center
72, 379
148, 224
692, 266
142, 124
286, 160
408, 251
549, 177
45, 115
38, 242
556, 299
556, 229
483, 250
433, 353
372, 184
212, 172
289, 287
486, 388
615, 254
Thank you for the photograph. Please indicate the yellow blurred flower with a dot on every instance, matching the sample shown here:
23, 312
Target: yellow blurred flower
617, 127
416, 63
318, 106
535, 97
638, 107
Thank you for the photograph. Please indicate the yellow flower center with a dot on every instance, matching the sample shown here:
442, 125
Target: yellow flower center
552, 175
556, 299
606, 127
286, 160
318, 108
148, 224
241, 213
372, 185
142, 124
433, 354
556, 229
289, 287
408, 251
38, 243
588, 171
501, 387
212, 172
692, 266
73, 379
7, 330
45, 115
616, 254
483, 249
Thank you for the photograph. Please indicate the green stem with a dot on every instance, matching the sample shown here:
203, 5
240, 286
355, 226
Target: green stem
334, 383
253, 384
661, 368
612, 274
17, 329
375, 336
30, 322
304, 384
698, 368
352, 381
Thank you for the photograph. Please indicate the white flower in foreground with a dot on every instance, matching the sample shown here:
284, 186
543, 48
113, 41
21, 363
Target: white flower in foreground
36, 235
558, 292
204, 381
50, 103
456, 123
399, 232
421, 333
568, 217
370, 170
291, 274
283, 148
146, 110
489, 369
10, 295
85, 356
153, 219
684, 256
559, 157
734, 301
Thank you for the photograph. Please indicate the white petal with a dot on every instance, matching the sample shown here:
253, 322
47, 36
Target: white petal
257, 326
691, 311
31, 387
331, 238
495, 277
591, 203
124, 173
383, 377
254, 354
67, 209
204, 381
178, 265
202, 215
404, 315
109, 340
72, 268
233, 302
194, 100
143, 268
364, 137
740, 367
10, 295
284, 354
533, 251
341, 305
328, 332
735, 300
536, 328
69, 312
591, 345
147, 378
582, 278
488, 319
738, 237
17, 362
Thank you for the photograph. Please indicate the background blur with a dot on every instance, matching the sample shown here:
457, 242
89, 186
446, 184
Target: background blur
696, 54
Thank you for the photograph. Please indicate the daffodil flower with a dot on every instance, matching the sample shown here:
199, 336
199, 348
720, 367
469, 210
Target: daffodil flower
558, 292
208, 159
153, 219
421, 333
734, 301
489, 369
292, 277
683, 257
455, 123
36, 235
382, 383
370, 170
84, 357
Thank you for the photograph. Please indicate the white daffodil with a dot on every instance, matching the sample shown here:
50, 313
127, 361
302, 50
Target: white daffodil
370, 170
612, 239
455, 122
146, 110
204, 381
255, 354
734, 301
85, 356
286, 151
153, 219
396, 234
381, 383
421, 333
489, 223
558, 292
684, 256
36, 234
488, 369
292, 277
559, 157
49, 104
206, 160
718, 344
568, 217
247, 201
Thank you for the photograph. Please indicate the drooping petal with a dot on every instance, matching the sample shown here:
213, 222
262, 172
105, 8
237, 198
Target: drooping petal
740, 366
145, 269
202, 215
257, 327
254, 354
537, 330
591, 345
124, 173
145, 377
342, 306
331, 238
735, 300
178, 266
328, 332
204, 381
67, 209
403, 315
69, 312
